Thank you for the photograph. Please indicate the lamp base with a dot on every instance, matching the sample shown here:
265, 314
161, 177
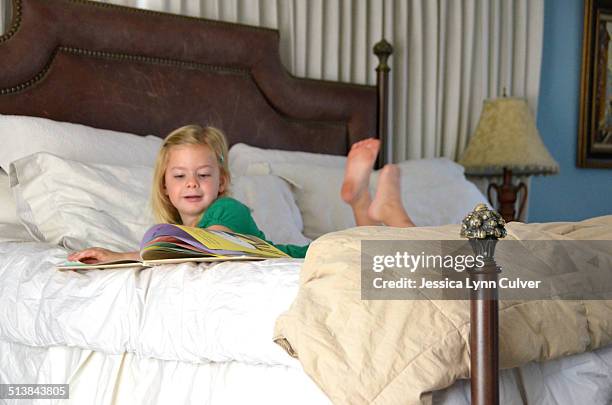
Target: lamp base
507, 196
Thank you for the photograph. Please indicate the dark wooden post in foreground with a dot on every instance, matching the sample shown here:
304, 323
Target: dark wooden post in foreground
483, 228
382, 50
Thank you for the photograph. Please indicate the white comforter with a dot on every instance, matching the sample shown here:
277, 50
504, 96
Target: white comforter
188, 312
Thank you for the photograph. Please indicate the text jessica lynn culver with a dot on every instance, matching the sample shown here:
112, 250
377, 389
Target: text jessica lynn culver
425, 283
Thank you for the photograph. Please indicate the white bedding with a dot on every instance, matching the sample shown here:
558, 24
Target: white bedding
191, 313
98, 379
584, 378
14, 233
125, 379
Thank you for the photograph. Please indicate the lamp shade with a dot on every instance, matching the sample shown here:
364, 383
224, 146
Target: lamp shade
507, 137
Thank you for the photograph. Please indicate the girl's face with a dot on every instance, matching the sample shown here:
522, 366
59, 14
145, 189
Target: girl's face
192, 180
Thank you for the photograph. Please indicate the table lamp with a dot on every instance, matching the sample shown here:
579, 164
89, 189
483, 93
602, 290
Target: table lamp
507, 142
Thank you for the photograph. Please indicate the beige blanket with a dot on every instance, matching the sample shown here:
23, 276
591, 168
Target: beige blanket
397, 352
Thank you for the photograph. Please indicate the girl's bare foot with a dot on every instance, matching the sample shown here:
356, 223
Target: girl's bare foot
359, 166
387, 205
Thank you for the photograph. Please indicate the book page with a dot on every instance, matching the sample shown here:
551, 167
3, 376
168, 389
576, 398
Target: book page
219, 240
102, 265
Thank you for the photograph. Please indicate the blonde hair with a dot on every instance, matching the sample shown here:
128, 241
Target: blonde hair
213, 138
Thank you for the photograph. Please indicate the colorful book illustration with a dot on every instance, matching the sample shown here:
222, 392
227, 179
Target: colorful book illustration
167, 243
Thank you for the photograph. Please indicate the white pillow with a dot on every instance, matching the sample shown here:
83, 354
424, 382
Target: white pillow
241, 156
78, 205
317, 193
14, 233
425, 172
22, 136
273, 207
11, 229
434, 192
8, 210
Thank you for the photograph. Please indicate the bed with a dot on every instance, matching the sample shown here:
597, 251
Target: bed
87, 91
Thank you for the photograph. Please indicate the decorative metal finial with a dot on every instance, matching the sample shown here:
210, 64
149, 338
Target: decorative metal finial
483, 223
383, 49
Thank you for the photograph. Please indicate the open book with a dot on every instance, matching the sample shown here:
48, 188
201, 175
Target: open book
167, 243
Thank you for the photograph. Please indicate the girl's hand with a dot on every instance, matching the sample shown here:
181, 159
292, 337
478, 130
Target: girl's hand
96, 255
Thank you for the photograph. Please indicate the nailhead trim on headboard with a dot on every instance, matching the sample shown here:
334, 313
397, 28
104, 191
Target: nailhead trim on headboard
121, 56
152, 60
16, 21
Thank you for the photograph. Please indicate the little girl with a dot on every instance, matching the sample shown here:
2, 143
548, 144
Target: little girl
190, 185
191, 182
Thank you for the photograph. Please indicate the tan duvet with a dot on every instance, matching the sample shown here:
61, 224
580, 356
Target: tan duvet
397, 352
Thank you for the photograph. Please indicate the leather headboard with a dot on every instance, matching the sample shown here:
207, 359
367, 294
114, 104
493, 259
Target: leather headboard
146, 72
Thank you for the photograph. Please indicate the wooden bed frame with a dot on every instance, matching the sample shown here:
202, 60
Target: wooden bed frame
147, 72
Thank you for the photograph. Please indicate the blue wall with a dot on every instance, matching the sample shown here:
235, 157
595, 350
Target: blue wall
573, 194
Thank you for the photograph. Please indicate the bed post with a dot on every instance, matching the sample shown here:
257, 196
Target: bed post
483, 228
382, 50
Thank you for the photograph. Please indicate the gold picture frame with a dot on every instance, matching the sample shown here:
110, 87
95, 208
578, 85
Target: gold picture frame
595, 125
